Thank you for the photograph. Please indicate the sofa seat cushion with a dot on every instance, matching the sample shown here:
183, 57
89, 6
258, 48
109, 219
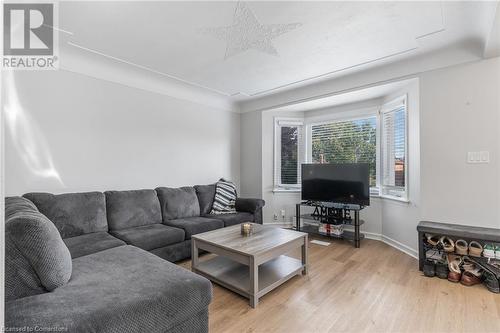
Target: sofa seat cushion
91, 243
234, 218
73, 214
196, 225
149, 237
123, 289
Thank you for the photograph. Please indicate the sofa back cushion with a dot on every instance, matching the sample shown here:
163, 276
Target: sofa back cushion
127, 209
205, 194
36, 258
73, 214
177, 203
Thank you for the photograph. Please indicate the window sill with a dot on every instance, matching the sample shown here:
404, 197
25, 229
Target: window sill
286, 190
391, 198
372, 196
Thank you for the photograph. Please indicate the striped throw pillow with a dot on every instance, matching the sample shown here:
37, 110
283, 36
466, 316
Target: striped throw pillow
225, 197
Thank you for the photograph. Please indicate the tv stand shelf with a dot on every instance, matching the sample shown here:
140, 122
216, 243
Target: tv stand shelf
311, 221
348, 222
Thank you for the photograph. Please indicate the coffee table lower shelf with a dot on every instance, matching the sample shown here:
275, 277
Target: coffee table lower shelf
235, 276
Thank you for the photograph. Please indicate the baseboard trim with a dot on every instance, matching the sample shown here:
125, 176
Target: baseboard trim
392, 242
287, 225
400, 246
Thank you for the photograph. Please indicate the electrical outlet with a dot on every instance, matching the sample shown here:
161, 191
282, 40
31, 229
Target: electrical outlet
275, 217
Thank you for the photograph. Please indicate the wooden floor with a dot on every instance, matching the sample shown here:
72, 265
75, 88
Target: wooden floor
372, 289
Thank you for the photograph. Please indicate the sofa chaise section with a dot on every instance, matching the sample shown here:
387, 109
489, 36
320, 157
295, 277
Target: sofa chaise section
123, 289
80, 219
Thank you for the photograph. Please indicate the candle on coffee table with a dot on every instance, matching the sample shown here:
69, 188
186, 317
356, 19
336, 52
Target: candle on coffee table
246, 229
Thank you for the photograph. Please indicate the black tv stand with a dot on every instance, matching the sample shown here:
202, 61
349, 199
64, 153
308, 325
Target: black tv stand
331, 213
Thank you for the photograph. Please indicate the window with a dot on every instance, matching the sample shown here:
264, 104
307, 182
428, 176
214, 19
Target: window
394, 147
289, 153
376, 138
346, 141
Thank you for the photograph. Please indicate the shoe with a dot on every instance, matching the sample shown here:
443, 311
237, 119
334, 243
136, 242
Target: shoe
469, 278
491, 273
491, 282
454, 277
455, 274
475, 249
447, 244
433, 254
429, 268
461, 247
432, 239
442, 269
467, 264
489, 251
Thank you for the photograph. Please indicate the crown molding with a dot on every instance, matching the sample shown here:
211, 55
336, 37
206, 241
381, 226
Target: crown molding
380, 73
79, 59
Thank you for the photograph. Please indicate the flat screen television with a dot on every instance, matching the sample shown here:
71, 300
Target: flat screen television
346, 183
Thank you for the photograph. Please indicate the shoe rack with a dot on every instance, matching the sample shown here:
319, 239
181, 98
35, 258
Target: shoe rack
454, 231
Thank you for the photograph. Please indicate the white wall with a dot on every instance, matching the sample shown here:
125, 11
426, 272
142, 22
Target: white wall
460, 109
251, 161
69, 132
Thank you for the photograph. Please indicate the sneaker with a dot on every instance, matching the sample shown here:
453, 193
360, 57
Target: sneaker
491, 282
442, 269
489, 251
434, 254
429, 268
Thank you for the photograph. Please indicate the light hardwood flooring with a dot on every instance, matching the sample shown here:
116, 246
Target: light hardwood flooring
372, 289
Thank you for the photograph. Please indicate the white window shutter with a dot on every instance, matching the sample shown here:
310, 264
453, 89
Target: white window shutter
394, 149
289, 153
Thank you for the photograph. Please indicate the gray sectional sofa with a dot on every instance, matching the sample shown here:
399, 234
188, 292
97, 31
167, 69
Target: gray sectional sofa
100, 262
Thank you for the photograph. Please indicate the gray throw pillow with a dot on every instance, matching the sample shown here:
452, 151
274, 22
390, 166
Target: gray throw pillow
36, 258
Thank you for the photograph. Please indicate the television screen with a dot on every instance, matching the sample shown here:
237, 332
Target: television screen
337, 183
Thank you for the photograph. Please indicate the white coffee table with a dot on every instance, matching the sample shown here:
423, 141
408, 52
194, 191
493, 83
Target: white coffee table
250, 266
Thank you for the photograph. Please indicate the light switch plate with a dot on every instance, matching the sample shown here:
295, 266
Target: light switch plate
478, 157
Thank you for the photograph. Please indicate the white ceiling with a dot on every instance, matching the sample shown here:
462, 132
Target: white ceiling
171, 38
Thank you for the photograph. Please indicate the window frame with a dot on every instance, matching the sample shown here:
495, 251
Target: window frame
287, 122
391, 106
